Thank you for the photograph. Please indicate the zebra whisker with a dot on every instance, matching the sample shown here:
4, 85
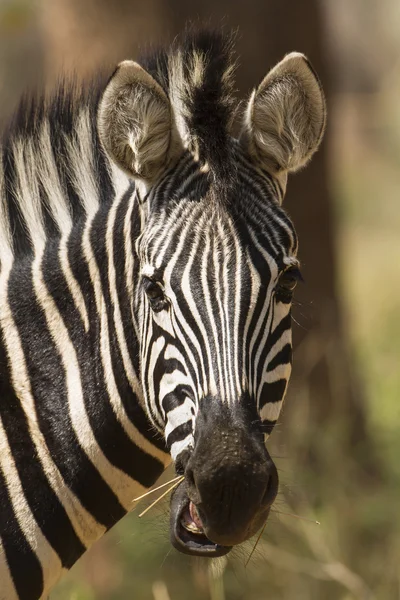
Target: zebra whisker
162, 496
159, 487
279, 512
256, 544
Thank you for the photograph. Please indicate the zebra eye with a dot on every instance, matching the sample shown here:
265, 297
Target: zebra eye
154, 293
288, 280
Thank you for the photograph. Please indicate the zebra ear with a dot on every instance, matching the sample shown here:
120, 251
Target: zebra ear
285, 116
136, 124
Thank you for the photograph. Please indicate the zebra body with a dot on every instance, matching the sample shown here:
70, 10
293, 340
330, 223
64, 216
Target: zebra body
75, 439
145, 285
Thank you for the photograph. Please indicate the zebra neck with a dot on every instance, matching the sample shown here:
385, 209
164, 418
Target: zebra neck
76, 446
98, 310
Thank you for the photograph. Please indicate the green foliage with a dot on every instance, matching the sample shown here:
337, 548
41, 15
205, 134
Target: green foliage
15, 15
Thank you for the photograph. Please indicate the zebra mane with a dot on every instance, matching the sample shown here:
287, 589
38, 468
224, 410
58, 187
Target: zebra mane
59, 106
52, 166
197, 74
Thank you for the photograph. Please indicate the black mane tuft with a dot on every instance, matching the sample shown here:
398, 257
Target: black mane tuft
196, 72
59, 107
59, 111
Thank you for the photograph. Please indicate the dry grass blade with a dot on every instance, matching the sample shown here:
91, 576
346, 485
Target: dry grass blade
160, 591
162, 496
157, 488
334, 571
280, 512
255, 545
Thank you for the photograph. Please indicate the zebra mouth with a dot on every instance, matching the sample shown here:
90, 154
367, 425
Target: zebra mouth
191, 521
187, 533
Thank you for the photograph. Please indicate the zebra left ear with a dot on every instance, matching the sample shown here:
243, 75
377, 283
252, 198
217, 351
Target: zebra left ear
285, 117
136, 124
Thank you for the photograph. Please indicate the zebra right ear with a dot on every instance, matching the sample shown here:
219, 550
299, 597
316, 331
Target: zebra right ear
136, 124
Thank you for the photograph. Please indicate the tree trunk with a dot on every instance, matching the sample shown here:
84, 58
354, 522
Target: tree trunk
21, 54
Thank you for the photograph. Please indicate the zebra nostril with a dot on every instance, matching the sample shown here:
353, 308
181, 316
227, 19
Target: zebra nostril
271, 489
190, 479
191, 486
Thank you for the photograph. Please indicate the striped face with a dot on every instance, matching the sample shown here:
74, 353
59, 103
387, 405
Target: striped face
217, 269
217, 283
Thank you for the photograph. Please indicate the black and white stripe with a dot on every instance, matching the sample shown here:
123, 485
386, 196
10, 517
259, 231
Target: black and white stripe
76, 442
226, 329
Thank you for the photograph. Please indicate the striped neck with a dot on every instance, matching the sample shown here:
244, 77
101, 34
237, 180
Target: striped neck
72, 394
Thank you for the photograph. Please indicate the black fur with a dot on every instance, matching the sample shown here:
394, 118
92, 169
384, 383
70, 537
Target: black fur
209, 107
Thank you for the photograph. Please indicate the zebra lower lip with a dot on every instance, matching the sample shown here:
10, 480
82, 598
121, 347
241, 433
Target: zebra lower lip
189, 536
187, 532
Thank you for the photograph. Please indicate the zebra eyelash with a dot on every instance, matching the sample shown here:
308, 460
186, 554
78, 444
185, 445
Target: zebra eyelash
155, 293
295, 272
287, 283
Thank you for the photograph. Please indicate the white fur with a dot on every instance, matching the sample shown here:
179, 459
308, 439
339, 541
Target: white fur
81, 163
48, 176
5, 231
285, 117
136, 123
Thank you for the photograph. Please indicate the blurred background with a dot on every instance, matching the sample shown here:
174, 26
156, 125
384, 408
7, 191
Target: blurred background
337, 446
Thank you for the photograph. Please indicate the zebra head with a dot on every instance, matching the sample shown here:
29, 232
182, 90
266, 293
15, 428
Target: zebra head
217, 269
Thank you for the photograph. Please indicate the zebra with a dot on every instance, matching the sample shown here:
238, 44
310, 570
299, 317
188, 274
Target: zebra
146, 275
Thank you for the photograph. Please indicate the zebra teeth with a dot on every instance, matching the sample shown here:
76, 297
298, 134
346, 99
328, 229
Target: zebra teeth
191, 521
192, 527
